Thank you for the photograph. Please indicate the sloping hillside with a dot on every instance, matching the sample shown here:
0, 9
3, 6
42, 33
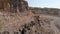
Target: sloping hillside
49, 11
29, 20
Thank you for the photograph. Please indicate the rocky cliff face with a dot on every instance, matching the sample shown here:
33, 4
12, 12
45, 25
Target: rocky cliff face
37, 21
14, 5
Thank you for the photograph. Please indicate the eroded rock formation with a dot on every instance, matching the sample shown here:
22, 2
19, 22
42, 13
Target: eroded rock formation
33, 23
3, 4
21, 5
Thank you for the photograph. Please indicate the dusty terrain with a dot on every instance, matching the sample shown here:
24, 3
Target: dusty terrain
30, 24
27, 20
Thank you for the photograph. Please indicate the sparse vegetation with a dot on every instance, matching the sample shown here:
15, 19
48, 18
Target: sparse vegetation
49, 11
1, 25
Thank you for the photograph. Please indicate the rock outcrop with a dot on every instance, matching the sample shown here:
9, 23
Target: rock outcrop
21, 5
33, 23
3, 4
14, 5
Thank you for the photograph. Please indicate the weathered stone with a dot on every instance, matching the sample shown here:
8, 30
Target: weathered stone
5, 32
22, 6
3, 4
16, 32
0, 32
